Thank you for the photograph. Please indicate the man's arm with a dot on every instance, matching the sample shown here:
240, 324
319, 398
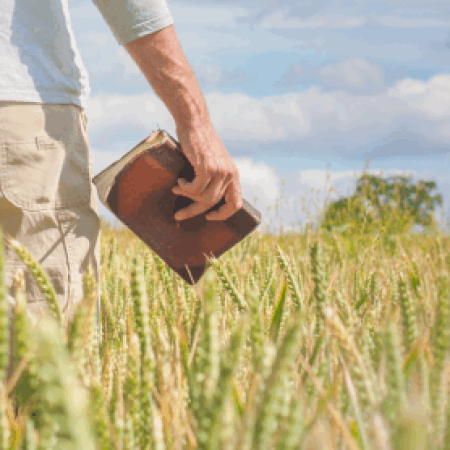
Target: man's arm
162, 61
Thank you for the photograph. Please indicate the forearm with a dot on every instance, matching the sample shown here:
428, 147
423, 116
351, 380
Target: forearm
162, 61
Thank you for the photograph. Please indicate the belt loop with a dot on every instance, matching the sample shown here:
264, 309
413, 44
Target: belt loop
39, 142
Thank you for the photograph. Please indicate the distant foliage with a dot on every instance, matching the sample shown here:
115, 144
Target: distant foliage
394, 203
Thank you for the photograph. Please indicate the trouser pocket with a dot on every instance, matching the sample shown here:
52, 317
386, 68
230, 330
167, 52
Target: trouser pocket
45, 157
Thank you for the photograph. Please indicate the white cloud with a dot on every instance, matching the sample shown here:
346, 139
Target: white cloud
408, 88
432, 97
320, 120
145, 111
336, 115
352, 73
314, 121
241, 117
258, 181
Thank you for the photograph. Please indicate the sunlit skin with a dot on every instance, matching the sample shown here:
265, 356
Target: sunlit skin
162, 61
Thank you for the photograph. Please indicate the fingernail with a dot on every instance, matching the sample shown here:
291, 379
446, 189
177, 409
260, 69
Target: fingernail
178, 216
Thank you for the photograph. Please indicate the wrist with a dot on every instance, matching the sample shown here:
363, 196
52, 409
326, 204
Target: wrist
189, 109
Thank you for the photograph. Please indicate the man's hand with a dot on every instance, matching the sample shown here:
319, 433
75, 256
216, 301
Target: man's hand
162, 61
216, 175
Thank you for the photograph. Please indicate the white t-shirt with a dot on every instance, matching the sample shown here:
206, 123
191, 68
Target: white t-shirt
39, 58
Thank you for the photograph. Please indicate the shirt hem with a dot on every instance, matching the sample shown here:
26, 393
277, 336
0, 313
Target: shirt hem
48, 97
143, 29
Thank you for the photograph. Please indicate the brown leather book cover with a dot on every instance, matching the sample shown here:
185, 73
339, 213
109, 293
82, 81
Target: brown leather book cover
137, 189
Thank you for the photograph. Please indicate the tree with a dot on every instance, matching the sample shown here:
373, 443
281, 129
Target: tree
395, 203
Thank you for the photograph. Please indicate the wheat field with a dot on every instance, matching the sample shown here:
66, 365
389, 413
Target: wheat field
298, 341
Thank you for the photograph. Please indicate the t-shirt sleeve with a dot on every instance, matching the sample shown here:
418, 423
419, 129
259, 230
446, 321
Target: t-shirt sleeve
132, 19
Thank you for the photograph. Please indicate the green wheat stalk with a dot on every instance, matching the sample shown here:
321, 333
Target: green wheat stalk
319, 279
4, 315
395, 382
440, 343
267, 419
228, 285
360, 372
211, 432
409, 316
292, 282
29, 441
27, 385
46, 287
142, 327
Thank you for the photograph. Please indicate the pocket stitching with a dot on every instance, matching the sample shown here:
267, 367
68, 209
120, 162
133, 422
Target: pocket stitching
44, 142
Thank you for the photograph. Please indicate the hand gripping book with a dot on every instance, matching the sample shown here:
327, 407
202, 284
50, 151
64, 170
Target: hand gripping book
137, 189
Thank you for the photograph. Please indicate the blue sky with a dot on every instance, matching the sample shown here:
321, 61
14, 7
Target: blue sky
296, 90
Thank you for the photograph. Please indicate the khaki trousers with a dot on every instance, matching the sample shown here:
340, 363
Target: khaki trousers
47, 199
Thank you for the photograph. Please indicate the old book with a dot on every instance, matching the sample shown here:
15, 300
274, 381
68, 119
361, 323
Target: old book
137, 189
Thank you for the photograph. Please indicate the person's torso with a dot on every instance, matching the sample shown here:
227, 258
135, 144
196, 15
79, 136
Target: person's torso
39, 59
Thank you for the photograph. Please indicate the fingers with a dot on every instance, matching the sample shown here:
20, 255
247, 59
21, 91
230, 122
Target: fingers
209, 196
195, 188
192, 210
215, 173
233, 202
208, 181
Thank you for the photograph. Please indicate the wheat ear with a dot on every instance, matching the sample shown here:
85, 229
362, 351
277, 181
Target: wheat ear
291, 280
228, 284
46, 287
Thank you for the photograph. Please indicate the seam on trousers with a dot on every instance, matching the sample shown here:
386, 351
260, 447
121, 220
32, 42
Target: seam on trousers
72, 264
65, 230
